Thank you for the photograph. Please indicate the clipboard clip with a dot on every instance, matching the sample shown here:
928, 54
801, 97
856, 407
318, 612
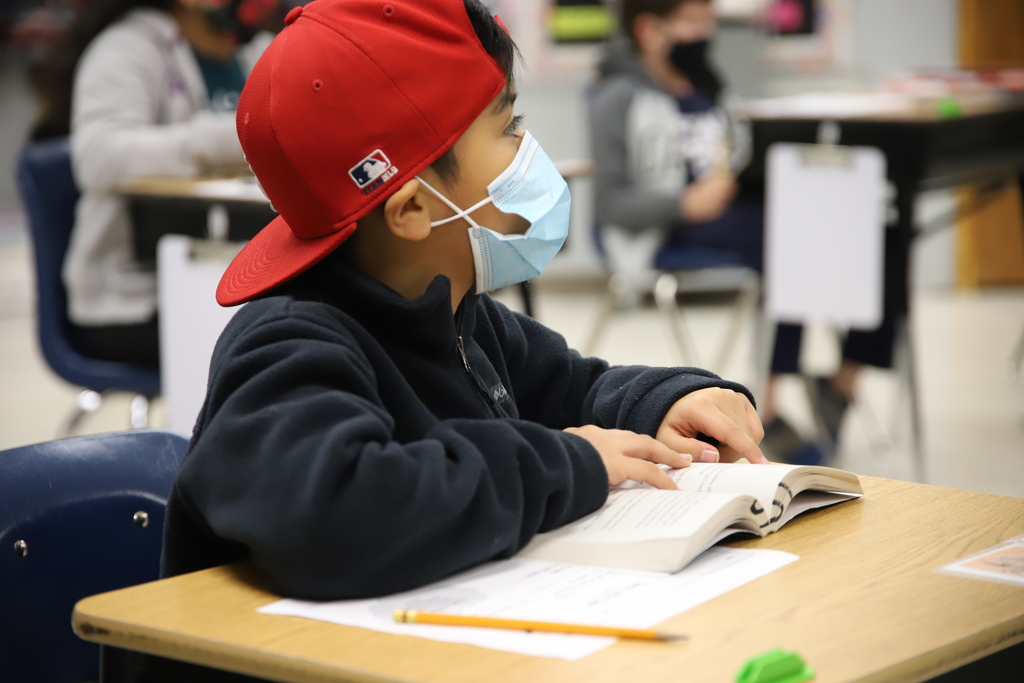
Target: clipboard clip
827, 152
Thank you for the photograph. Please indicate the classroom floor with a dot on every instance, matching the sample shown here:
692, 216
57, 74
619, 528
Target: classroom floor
973, 415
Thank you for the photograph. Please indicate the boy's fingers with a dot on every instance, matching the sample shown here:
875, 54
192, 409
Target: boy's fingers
642, 470
699, 451
756, 427
725, 429
653, 450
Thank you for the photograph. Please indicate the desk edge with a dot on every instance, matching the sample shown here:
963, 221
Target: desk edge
217, 655
954, 655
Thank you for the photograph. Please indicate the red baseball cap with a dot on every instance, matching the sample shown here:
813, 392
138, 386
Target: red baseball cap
351, 100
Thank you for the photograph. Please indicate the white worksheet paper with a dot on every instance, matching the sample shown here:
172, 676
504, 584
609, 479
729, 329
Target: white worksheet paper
1003, 562
549, 591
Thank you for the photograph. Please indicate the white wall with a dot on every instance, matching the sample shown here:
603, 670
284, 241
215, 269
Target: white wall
898, 35
890, 36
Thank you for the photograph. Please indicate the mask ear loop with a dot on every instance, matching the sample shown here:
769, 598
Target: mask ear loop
459, 213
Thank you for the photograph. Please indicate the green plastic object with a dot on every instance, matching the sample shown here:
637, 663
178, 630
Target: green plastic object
949, 108
777, 666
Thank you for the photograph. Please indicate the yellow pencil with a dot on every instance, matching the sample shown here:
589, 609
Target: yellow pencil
412, 616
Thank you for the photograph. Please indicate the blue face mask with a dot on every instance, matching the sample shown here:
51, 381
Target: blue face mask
530, 187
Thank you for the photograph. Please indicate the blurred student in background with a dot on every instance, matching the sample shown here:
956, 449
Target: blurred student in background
144, 88
666, 156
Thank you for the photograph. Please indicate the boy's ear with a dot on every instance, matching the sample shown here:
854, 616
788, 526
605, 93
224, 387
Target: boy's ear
406, 215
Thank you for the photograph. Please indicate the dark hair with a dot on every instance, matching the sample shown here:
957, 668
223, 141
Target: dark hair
53, 79
630, 9
499, 45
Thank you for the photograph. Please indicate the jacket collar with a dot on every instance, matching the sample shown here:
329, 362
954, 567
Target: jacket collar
426, 322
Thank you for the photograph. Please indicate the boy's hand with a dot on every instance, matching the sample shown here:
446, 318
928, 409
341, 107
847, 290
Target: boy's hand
631, 456
707, 198
721, 414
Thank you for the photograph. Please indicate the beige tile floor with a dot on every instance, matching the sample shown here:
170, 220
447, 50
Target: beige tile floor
973, 416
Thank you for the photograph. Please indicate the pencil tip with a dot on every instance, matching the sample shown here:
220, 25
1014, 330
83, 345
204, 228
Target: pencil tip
665, 635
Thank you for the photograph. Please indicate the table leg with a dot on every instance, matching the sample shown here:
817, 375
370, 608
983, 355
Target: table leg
906, 198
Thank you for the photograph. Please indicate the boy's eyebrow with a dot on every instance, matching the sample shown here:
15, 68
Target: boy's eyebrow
508, 99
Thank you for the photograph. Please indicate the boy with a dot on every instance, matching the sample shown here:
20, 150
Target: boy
661, 149
372, 423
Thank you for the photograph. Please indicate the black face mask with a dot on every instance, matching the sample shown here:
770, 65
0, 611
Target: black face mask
690, 59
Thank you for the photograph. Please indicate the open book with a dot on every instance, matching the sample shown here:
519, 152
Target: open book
641, 527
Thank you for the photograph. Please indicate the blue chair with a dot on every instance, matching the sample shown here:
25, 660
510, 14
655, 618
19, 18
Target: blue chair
49, 192
79, 516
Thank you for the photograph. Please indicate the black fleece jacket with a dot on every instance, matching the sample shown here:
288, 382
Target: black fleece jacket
354, 443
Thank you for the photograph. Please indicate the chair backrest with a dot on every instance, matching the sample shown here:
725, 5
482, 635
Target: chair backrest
49, 192
78, 516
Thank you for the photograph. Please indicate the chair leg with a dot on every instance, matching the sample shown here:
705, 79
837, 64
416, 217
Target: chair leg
1013, 366
905, 367
139, 412
88, 401
881, 438
761, 352
613, 294
526, 294
665, 290
744, 307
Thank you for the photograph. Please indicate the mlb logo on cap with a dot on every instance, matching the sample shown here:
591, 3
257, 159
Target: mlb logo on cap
372, 172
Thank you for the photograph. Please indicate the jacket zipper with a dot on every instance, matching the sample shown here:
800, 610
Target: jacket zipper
462, 352
461, 346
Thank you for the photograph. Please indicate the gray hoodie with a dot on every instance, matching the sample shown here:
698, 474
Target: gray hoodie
648, 145
139, 108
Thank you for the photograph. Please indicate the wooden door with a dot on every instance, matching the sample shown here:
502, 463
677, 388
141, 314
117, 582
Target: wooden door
990, 240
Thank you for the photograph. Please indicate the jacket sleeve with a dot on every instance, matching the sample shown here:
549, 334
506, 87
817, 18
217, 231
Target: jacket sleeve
619, 200
554, 385
294, 458
116, 133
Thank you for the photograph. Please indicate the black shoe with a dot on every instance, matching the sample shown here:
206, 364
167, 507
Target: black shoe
828, 405
782, 443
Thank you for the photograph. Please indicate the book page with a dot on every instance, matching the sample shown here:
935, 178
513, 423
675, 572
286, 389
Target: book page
760, 481
811, 500
637, 514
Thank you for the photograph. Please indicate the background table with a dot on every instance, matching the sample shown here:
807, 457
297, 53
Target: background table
925, 149
182, 206
862, 603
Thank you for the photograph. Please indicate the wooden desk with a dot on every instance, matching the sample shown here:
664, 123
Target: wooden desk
862, 603
241, 189
245, 189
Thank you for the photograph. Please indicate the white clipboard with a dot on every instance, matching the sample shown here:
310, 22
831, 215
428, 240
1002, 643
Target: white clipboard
191, 321
824, 234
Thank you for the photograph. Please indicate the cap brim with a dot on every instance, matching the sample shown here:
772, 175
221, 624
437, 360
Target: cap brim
274, 256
